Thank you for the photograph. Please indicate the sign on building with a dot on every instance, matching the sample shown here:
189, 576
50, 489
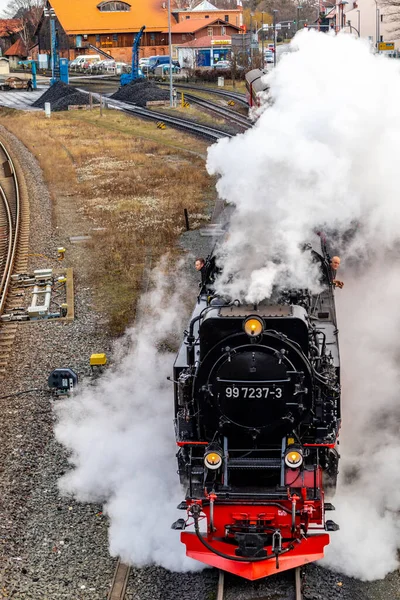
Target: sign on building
383, 46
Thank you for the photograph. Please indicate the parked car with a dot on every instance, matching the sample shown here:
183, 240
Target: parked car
223, 64
15, 83
86, 59
163, 70
269, 56
144, 62
104, 66
155, 61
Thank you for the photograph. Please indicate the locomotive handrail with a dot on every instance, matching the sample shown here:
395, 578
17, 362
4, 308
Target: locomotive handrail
256, 383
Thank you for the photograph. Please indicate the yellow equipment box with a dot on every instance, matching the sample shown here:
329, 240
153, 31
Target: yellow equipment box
98, 359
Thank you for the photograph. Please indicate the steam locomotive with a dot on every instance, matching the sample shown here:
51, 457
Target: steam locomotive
257, 418
254, 86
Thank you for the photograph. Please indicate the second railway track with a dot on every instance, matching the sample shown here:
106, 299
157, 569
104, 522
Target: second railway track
14, 242
210, 133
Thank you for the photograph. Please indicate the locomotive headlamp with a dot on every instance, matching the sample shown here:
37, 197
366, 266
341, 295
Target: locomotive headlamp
253, 326
293, 457
213, 458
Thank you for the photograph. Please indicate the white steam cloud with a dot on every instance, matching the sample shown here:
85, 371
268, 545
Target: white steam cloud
324, 156
121, 438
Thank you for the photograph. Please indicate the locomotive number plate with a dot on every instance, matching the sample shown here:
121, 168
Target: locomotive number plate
246, 391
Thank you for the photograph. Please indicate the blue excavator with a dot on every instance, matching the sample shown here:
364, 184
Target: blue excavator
135, 73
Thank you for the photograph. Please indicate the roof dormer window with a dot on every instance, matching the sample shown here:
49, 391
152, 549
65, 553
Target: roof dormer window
114, 7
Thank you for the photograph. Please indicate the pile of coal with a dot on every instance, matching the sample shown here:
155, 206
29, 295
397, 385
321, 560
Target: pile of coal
76, 99
60, 95
139, 92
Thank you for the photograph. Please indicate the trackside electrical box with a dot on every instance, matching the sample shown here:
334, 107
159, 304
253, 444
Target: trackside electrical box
63, 381
98, 360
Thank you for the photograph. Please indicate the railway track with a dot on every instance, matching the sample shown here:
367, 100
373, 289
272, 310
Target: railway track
210, 133
121, 576
14, 240
237, 96
226, 113
221, 591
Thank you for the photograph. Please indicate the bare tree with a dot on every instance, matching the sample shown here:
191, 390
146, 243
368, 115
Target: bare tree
29, 13
392, 15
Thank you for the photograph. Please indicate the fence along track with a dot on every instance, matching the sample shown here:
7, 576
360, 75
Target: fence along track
14, 240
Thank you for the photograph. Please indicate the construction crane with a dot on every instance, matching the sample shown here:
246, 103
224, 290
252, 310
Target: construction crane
135, 73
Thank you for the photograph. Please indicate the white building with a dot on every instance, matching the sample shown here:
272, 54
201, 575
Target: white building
369, 19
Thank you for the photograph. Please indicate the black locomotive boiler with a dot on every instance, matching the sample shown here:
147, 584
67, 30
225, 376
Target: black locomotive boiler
257, 418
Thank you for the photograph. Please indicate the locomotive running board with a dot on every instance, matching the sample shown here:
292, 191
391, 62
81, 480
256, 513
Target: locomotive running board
307, 551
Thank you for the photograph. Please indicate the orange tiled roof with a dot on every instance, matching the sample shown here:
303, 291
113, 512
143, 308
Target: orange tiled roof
193, 25
9, 26
83, 16
17, 49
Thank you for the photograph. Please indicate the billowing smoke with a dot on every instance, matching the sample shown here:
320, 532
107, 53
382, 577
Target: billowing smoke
324, 156
368, 498
120, 435
317, 158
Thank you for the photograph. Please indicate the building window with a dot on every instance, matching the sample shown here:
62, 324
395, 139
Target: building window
183, 37
114, 7
381, 18
97, 39
152, 39
223, 30
226, 18
187, 17
115, 37
207, 17
209, 31
381, 38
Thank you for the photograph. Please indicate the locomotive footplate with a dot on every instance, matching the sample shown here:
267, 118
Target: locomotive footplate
295, 554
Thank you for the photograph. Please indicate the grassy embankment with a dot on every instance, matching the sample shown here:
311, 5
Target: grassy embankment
125, 183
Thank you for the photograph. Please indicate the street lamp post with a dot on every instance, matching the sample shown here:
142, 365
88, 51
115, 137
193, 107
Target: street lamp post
171, 101
298, 17
274, 11
350, 26
377, 25
358, 23
51, 14
251, 39
342, 14
262, 39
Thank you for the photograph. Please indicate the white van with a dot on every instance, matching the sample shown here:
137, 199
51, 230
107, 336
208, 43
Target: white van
79, 61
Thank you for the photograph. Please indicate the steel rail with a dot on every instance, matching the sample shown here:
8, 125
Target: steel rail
228, 114
13, 231
297, 579
232, 95
119, 582
220, 589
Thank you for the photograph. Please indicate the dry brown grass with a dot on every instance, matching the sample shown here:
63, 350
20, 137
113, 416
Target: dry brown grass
128, 181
